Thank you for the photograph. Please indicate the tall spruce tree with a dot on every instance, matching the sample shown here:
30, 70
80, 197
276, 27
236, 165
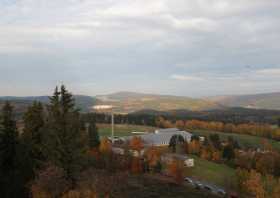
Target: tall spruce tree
65, 146
8, 152
32, 136
94, 140
175, 141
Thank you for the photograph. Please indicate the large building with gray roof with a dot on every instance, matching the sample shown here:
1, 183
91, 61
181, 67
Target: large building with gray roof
162, 137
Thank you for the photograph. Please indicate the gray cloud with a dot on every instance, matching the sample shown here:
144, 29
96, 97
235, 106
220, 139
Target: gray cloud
143, 45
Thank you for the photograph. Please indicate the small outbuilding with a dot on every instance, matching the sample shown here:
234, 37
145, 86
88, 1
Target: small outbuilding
168, 158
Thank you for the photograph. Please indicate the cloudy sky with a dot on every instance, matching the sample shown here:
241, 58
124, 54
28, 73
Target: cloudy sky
182, 47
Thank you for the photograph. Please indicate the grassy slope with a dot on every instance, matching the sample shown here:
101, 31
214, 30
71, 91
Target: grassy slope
217, 174
122, 130
244, 140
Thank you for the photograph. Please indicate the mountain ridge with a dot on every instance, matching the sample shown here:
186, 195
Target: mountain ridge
133, 101
253, 101
128, 102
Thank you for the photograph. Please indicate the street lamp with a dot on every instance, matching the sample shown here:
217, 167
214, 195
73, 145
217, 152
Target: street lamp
105, 108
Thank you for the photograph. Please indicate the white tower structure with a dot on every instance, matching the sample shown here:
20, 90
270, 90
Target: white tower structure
106, 108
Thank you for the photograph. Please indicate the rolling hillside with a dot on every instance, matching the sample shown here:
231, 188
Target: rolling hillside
256, 101
21, 103
126, 102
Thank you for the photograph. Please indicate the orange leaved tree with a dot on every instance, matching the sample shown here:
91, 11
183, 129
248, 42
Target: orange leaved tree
175, 169
105, 145
136, 143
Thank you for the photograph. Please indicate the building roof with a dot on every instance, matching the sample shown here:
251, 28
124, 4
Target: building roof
162, 138
177, 156
166, 130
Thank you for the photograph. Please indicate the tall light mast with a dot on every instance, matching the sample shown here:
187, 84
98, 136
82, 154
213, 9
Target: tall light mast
104, 108
113, 127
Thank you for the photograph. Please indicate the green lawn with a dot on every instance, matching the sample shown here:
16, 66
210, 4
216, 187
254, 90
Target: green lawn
122, 129
244, 140
213, 173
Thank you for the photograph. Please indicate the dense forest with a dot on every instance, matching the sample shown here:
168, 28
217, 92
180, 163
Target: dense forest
227, 115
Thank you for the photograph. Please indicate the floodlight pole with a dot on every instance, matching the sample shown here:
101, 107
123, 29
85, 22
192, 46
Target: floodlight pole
87, 125
113, 122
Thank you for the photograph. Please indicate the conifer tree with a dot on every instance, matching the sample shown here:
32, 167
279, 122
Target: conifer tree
32, 136
65, 146
94, 140
174, 141
8, 154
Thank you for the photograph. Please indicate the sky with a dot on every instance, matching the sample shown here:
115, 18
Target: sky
192, 48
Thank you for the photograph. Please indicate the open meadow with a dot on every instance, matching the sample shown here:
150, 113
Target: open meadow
213, 173
246, 141
122, 129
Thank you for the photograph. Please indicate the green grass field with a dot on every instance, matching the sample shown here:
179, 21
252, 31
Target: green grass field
244, 140
122, 129
213, 173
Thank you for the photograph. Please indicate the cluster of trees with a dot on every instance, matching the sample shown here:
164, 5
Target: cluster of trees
261, 130
49, 156
253, 184
212, 148
265, 162
254, 129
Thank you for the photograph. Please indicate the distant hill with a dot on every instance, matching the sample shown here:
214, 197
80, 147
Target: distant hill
20, 104
126, 102
254, 101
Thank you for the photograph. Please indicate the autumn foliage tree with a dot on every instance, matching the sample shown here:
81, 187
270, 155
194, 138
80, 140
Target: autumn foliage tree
194, 147
175, 169
136, 165
153, 158
105, 146
254, 185
216, 156
50, 182
136, 143
163, 123
206, 153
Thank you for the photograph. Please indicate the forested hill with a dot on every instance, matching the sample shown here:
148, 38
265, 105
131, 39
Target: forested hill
20, 104
127, 102
227, 115
254, 101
